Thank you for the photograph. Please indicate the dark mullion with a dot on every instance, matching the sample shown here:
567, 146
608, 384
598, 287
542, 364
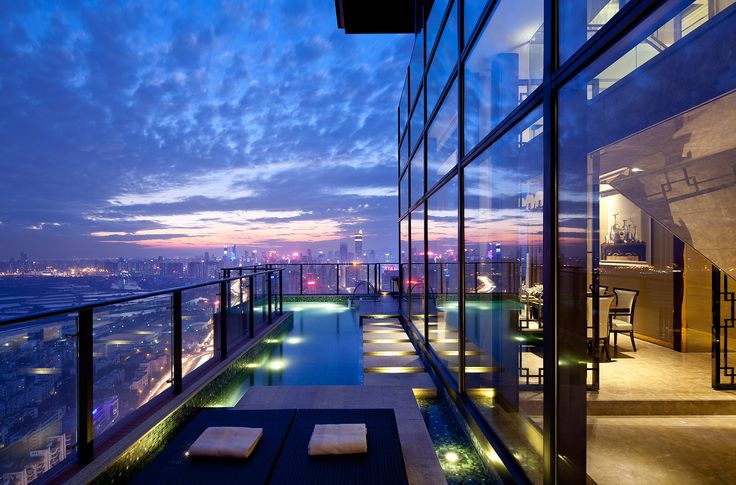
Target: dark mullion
440, 32
461, 200
630, 15
477, 29
512, 119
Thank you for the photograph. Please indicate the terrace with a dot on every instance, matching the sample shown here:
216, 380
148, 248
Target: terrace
124, 376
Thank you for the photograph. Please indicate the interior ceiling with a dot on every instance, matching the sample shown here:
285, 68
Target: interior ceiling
686, 178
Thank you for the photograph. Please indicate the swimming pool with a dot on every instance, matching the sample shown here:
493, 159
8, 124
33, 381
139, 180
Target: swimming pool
322, 346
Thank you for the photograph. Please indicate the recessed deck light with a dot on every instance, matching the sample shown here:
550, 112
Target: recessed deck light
277, 365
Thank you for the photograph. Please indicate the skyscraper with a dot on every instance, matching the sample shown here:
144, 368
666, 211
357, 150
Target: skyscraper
359, 245
343, 252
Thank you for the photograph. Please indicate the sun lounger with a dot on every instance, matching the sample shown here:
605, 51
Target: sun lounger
173, 465
382, 464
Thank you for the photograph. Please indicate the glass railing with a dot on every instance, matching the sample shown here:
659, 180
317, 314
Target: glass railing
73, 378
330, 278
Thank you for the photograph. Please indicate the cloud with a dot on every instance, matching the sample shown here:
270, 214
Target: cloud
144, 117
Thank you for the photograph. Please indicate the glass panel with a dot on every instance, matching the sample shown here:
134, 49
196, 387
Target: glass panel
434, 21
579, 21
417, 122
404, 107
416, 283
442, 231
416, 67
404, 194
198, 309
237, 315
504, 67
442, 139
417, 175
38, 399
404, 261
643, 135
132, 356
404, 152
354, 278
292, 281
473, 9
320, 279
503, 312
260, 300
443, 61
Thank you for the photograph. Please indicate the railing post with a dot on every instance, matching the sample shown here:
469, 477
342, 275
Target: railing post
281, 291
176, 341
368, 278
301, 279
475, 281
442, 280
223, 318
251, 310
268, 278
337, 278
85, 427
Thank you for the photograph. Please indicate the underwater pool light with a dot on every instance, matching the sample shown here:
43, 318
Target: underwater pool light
452, 457
277, 365
294, 340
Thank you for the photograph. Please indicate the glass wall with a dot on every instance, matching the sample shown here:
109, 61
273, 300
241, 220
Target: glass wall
404, 263
442, 140
636, 167
417, 175
417, 122
645, 170
503, 232
504, 66
417, 303
404, 194
443, 61
442, 274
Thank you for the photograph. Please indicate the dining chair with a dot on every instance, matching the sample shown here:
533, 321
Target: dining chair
622, 320
604, 306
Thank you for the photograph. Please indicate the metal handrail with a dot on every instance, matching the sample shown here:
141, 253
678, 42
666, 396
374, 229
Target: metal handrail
124, 299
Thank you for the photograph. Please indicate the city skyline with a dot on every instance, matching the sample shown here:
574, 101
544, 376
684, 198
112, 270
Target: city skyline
179, 132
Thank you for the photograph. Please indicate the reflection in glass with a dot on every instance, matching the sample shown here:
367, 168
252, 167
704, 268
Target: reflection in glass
132, 359
39, 399
417, 123
417, 175
442, 140
442, 273
434, 21
443, 61
404, 194
504, 67
503, 292
198, 309
404, 262
417, 301
641, 132
404, 107
416, 68
473, 9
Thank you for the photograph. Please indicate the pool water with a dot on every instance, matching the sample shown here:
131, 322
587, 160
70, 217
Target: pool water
323, 346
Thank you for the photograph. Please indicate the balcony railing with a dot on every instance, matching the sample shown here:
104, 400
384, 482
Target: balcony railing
73, 378
331, 278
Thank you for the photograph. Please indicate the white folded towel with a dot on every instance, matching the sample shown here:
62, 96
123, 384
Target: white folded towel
338, 439
226, 442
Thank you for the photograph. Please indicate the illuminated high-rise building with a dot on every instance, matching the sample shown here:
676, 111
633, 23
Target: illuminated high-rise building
359, 245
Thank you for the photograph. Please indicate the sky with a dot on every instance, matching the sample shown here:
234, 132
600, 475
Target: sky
142, 128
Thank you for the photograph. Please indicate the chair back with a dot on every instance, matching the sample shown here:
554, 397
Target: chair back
604, 309
626, 299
